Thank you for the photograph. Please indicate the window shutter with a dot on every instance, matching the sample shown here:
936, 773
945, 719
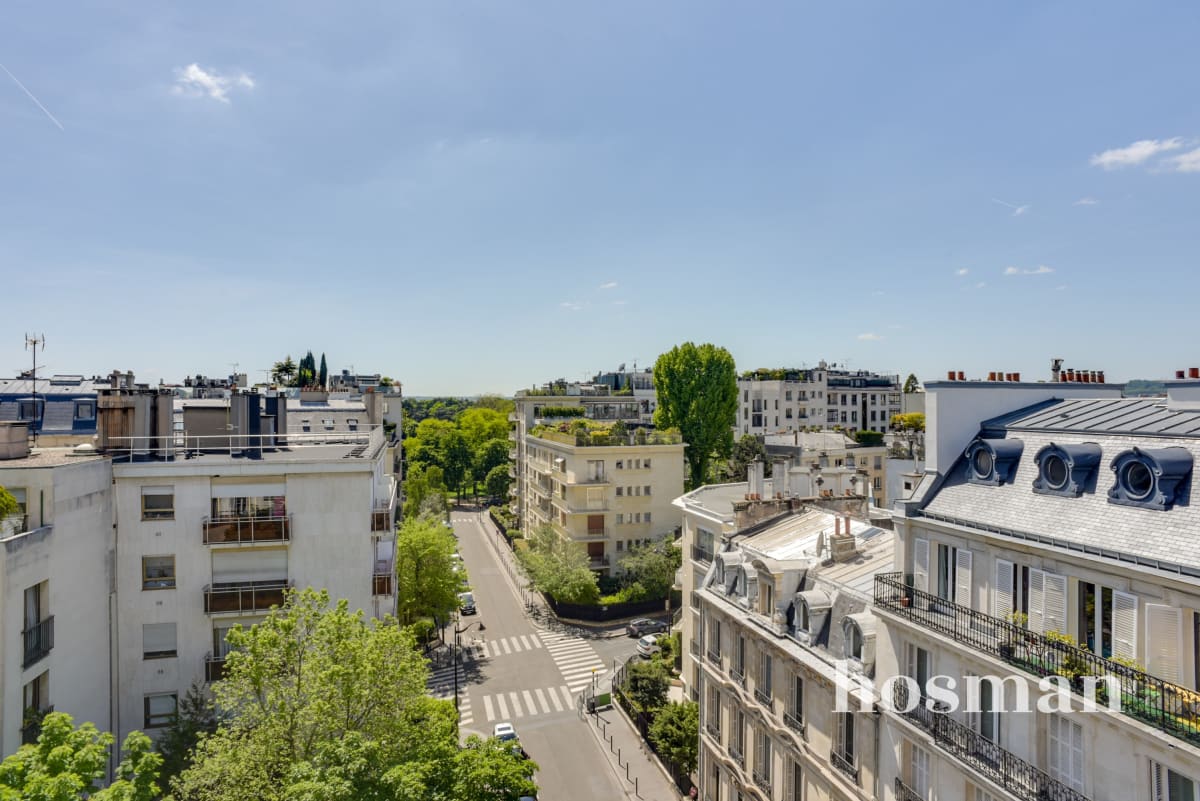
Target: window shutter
1054, 603
240, 566
1158, 784
921, 564
1002, 590
1163, 647
158, 638
962, 578
1037, 581
1124, 625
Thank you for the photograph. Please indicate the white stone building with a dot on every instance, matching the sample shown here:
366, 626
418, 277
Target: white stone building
819, 398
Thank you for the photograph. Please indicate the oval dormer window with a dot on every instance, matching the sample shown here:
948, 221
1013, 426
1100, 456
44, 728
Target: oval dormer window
982, 464
1151, 478
992, 461
1136, 480
1055, 471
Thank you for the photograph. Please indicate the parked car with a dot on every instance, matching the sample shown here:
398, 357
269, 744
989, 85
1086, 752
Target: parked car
504, 732
644, 625
648, 646
466, 603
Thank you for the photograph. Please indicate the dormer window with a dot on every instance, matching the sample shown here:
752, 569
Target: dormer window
853, 639
1150, 478
993, 461
1066, 470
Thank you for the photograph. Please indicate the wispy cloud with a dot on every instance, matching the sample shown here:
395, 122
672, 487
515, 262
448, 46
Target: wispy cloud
1060, 287
609, 285
620, 302
1139, 152
1086, 201
870, 337
1187, 162
1017, 208
962, 271
1041, 269
194, 81
981, 285
36, 102
571, 305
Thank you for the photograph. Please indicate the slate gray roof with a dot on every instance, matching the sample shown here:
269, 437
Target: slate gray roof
1165, 540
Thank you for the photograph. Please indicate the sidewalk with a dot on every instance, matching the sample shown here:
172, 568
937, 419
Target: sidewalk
630, 758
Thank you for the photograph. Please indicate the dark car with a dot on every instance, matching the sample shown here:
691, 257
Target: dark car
466, 603
645, 625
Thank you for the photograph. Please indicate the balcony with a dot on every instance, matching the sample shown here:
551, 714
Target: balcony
714, 657
1023, 780
39, 639
844, 763
762, 780
906, 793
795, 723
762, 696
32, 728
714, 730
1150, 700
738, 755
381, 584
381, 520
247, 530
739, 676
597, 533
695, 648
214, 668
701, 554
595, 562
244, 597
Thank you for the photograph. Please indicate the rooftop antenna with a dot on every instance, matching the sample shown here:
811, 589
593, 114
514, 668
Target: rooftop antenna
33, 343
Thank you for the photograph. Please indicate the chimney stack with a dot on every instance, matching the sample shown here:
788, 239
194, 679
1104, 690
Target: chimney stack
962, 376
1178, 374
1194, 372
950, 375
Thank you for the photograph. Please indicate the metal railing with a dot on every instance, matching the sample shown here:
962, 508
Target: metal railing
713, 657
737, 755
214, 667
381, 584
1018, 777
714, 730
246, 530
701, 554
762, 780
380, 520
738, 675
762, 696
844, 764
694, 647
252, 596
33, 728
1151, 700
906, 793
39, 639
598, 561
180, 443
794, 723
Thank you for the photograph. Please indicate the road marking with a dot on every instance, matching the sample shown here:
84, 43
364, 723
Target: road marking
542, 700
503, 707
566, 694
504, 645
525, 643
558, 707
487, 707
529, 702
516, 702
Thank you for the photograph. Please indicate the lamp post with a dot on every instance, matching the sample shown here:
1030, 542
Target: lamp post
454, 651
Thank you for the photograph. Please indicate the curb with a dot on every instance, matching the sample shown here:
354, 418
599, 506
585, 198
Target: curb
650, 755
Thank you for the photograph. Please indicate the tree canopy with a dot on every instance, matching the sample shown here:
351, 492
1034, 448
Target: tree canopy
675, 733
911, 384
559, 567
653, 567
697, 393
426, 582
8, 504
745, 451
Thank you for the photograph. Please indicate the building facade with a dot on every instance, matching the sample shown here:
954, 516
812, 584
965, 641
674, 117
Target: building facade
824, 397
833, 450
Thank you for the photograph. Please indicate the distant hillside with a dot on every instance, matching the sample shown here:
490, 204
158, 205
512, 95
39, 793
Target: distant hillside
1141, 386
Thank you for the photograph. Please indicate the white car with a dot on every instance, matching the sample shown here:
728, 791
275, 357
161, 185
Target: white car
648, 646
504, 732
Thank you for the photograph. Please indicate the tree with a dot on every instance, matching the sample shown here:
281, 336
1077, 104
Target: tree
456, 460
319, 703
652, 566
426, 582
867, 437
282, 372
424, 493
497, 482
193, 719
68, 764
478, 425
911, 427
697, 393
745, 451
646, 684
9, 505
489, 456
675, 733
497, 403
911, 384
323, 374
487, 770
559, 567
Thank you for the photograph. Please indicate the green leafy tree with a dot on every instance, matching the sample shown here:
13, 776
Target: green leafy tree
653, 566
323, 374
282, 372
69, 764
496, 403
194, 718
489, 456
559, 567
646, 684
911, 384
424, 493
478, 425
488, 769
306, 372
426, 582
456, 460
869, 438
697, 393
675, 734
745, 451
497, 482
8, 504
911, 427
319, 703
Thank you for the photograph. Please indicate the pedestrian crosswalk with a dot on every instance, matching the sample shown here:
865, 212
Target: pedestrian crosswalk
526, 703
484, 649
576, 660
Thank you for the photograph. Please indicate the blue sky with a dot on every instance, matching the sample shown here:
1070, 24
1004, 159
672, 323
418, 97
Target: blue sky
477, 196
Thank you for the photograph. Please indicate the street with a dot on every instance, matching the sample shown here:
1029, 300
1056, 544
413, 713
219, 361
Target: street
530, 676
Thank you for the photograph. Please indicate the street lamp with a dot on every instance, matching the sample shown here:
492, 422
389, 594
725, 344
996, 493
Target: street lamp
454, 651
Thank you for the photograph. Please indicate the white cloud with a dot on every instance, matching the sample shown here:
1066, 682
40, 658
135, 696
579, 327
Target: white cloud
1086, 201
869, 337
981, 285
609, 285
1041, 269
1017, 209
1137, 153
1188, 162
962, 271
571, 305
1060, 287
194, 81
620, 302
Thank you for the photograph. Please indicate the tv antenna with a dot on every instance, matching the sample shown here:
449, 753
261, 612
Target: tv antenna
33, 342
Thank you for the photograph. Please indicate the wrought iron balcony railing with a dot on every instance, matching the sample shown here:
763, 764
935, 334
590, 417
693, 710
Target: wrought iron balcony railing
714, 657
214, 668
1023, 780
762, 779
739, 676
738, 756
39, 639
247, 530
906, 793
32, 728
714, 730
844, 763
762, 696
794, 723
1151, 700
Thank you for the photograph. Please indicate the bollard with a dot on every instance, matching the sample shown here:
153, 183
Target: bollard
635, 787
626, 771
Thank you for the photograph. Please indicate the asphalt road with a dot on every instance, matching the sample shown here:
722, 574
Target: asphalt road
515, 672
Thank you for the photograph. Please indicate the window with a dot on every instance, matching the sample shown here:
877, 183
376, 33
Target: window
620, 492
158, 503
646, 464
843, 741
352, 423
795, 783
159, 710
646, 517
919, 667
620, 520
595, 470
30, 410
853, 641
796, 699
762, 756
763, 685
1065, 747
788, 413
158, 572
646, 490
85, 410
327, 423
1167, 785
620, 543
620, 466
158, 640
918, 770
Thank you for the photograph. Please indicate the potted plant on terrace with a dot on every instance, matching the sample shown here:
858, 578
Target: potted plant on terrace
1012, 634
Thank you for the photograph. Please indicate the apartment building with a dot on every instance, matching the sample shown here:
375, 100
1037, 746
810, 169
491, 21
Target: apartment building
775, 401
782, 599
831, 450
1054, 533
56, 574
609, 491
214, 528
58, 411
